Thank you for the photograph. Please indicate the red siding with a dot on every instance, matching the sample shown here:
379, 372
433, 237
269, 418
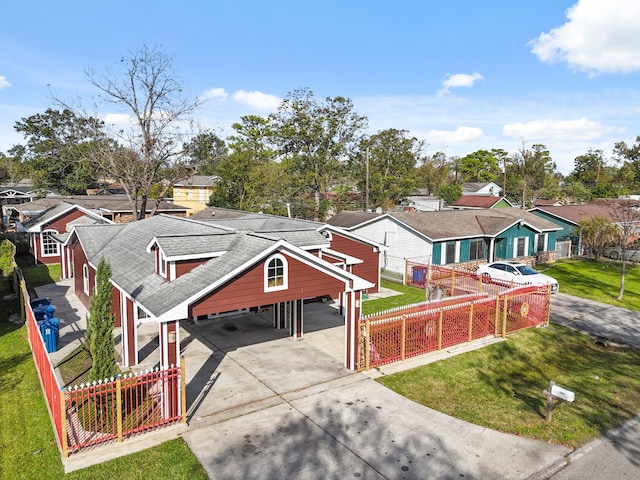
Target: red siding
79, 259
59, 225
185, 266
247, 290
371, 258
115, 307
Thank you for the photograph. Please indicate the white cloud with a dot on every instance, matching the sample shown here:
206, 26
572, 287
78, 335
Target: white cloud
117, 119
4, 83
258, 100
214, 93
459, 136
576, 130
599, 37
461, 80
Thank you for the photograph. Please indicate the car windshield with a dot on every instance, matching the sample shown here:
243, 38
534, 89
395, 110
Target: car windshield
526, 270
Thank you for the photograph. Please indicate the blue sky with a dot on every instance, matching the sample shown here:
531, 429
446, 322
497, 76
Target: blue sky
461, 75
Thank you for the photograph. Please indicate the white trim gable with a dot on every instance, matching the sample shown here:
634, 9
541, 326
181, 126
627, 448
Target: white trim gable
38, 226
351, 281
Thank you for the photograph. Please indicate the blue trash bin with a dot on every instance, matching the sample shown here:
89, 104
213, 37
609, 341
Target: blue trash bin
50, 330
44, 312
419, 275
40, 302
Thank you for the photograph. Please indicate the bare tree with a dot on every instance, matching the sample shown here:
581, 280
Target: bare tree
626, 215
146, 156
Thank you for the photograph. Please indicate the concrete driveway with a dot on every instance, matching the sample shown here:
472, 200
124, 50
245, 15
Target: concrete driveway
266, 406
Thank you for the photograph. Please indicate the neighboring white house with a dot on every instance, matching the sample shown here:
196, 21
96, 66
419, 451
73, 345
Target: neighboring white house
481, 188
425, 203
451, 236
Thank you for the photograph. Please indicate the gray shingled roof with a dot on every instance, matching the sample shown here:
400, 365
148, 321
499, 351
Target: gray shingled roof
195, 244
133, 268
349, 219
49, 213
159, 297
105, 203
198, 181
446, 224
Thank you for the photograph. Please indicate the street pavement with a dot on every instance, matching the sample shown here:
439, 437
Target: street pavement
615, 456
604, 323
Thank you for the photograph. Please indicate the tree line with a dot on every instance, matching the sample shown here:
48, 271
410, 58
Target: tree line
313, 154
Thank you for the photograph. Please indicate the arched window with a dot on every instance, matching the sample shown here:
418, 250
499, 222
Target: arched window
50, 248
275, 273
85, 278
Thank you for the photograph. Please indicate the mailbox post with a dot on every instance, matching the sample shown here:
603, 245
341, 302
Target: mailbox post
555, 396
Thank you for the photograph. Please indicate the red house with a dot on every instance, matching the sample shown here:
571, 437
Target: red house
166, 269
47, 230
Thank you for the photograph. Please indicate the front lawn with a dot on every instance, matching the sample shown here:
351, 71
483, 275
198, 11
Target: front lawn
500, 386
407, 296
598, 281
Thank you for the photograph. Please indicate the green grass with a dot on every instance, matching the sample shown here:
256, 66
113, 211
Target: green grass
28, 447
408, 295
500, 386
38, 275
599, 281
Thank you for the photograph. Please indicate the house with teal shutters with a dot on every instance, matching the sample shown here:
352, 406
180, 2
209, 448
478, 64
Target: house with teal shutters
568, 218
454, 236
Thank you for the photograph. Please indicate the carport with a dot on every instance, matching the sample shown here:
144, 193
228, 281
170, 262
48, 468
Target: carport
237, 363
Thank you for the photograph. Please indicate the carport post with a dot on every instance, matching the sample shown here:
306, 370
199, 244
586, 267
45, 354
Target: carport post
352, 318
169, 343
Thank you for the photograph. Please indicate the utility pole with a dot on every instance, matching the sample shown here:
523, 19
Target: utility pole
504, 177
366, 182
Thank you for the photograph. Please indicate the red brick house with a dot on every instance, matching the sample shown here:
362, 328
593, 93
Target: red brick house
167, 269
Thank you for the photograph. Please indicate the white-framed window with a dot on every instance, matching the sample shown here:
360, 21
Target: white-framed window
476, 250
163, 265
85, 278
276, 275
49, 247
203, 197
541, 242
520, 246
190, 194
451, 252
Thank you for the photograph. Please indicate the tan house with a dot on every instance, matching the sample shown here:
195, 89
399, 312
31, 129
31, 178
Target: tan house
194, 192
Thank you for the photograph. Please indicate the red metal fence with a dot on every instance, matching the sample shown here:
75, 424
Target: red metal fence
107, 411
405, 332
123, 407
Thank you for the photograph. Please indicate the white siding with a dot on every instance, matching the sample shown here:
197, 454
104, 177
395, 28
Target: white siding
402, 242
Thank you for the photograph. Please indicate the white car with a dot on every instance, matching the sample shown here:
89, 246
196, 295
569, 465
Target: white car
517, 273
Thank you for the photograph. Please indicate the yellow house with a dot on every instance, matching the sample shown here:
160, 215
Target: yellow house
194, 192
